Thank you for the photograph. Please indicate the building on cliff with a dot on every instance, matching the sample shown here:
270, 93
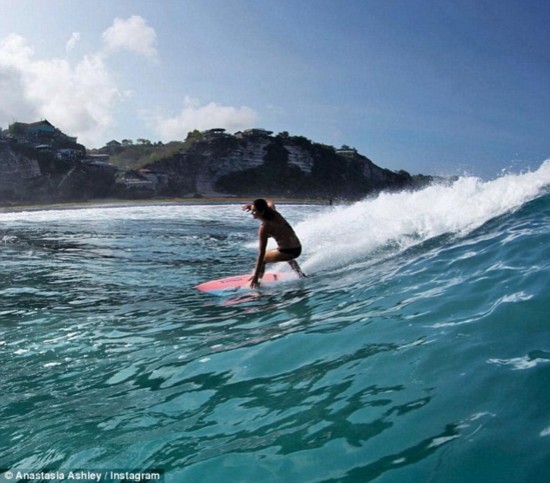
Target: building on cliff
38, 133
37, 128
347, 152
255, 132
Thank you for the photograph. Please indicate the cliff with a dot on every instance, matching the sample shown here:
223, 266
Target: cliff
254, 163
30, 176
17, 173
211, 163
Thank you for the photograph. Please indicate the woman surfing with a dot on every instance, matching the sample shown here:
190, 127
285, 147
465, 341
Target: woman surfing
273, 225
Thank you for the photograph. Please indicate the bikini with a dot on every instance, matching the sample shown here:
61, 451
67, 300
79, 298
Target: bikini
295, 251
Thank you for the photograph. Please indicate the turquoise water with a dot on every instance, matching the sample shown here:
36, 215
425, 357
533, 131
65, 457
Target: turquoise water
417, 351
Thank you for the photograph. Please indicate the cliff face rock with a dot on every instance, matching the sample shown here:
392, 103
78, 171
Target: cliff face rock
258, 164
199, 169
17, 172
212, 163
28, 176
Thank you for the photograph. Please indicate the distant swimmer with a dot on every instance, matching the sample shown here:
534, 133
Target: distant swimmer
273, 225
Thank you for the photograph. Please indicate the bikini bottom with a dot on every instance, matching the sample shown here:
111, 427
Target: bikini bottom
295, 252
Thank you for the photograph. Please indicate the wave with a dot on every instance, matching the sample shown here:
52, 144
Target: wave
396, 221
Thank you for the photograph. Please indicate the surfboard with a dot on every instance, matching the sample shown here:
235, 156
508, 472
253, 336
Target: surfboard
240, 282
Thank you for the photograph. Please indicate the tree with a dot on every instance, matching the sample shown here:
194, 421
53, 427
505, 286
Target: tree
196, 134
16, 128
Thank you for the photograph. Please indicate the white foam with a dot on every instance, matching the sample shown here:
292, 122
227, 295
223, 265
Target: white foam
350, 233
132, 212
519, 363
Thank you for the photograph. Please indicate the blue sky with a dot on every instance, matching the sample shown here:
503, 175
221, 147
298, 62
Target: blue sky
433, 87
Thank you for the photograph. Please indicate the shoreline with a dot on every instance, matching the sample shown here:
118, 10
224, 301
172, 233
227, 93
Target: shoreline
119, 203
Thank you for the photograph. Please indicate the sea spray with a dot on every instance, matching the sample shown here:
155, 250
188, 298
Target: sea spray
349, 234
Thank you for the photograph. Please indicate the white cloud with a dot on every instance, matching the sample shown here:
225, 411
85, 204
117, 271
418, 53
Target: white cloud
78, 98
14, 50
194, 116
13, 103
71, 43
132, 34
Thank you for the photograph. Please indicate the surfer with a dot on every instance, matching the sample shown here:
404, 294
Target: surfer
273, 225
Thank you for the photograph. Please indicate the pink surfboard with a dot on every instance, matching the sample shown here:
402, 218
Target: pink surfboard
239, 282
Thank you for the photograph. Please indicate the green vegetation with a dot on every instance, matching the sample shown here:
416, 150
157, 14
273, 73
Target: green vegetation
15, 128
135, 156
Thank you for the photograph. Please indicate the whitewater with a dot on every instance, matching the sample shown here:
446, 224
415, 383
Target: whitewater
418, 349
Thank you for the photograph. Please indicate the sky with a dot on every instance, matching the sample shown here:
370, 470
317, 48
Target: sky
441, 87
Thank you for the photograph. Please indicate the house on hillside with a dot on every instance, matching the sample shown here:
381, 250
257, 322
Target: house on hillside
132, 180
97, 159
214, 134
347, 152
216, 131
69, 154
155, 178
40, 127
253, 132
44, 148
113, 146
37, 133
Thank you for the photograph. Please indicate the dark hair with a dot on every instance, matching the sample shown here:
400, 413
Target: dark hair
261, 205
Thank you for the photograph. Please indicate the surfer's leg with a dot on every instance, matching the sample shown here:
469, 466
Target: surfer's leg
274, 256
294, 265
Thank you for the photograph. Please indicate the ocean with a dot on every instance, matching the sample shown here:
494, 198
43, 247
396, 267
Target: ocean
417, 350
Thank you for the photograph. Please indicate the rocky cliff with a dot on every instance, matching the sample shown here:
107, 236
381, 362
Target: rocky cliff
211, 163
256, 164
17, 173
30, 176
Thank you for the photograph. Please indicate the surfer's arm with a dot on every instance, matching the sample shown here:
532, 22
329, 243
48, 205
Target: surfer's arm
259, 269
